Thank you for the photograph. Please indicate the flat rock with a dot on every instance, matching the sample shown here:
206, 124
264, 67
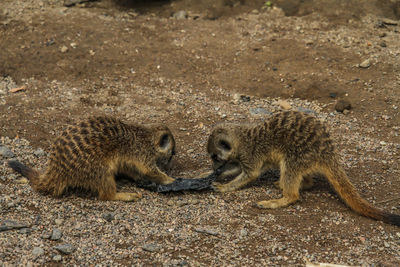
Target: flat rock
259, 111
6, 152
206, 231
56, 234
10, 225
151, 247
25, 231
65, 248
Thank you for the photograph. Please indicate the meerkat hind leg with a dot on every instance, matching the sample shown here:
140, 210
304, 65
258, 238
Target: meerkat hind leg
108, 191
290, 186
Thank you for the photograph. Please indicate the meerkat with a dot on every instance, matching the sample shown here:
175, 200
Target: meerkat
299, 145
89, 154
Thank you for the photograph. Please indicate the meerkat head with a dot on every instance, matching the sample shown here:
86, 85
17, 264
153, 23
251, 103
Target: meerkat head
222, 145
164, 144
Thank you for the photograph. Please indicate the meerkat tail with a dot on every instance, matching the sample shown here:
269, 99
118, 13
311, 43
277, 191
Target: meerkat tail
24, 170
346, 190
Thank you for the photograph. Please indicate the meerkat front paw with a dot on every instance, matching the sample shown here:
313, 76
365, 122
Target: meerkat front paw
219, 187
127, 197
267, 204
276, 203
167, 180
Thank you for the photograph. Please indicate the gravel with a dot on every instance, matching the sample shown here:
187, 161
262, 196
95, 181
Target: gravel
203, 228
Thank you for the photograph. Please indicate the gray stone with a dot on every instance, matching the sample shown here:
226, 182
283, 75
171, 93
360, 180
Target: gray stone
333, 94
109, 216
25, 231
259, 111
37, 252
6, 152
341, 105
65, 248
56, 234
39, 152
181, 14
243, 233
46, 235
151, 247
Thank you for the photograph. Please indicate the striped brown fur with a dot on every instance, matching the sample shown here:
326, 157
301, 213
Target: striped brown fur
90, 153
299, 145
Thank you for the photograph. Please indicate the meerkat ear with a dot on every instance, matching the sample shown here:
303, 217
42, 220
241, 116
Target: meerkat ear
165, 142
224, 145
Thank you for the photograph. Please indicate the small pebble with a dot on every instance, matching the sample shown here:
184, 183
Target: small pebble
180, 14
332, 95
39, 152
365, 64
57, 258
37, 252
64, 49
284, 104
109, 216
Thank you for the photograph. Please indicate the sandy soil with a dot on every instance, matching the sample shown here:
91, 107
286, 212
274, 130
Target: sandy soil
145, 61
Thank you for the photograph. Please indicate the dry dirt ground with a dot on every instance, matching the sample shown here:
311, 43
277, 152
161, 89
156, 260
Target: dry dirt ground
142, 61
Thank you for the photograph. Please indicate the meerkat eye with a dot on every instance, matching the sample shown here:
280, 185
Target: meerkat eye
225, 145
164, 141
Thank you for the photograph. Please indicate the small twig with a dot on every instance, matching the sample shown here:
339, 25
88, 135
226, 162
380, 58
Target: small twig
17, 89
387, 200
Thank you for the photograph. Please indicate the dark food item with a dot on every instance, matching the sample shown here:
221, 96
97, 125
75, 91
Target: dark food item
182, 184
